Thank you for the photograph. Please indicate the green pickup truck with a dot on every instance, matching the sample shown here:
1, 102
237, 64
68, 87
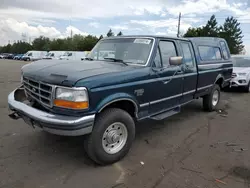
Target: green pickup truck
102, 97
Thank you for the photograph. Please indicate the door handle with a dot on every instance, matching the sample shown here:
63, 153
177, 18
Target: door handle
179, 72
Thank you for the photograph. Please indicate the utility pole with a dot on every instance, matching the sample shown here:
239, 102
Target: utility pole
179, 24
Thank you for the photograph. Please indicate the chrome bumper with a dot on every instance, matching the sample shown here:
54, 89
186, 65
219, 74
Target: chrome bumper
52, 123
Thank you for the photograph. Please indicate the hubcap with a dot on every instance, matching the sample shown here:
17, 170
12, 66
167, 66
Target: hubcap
114, 138
215, 98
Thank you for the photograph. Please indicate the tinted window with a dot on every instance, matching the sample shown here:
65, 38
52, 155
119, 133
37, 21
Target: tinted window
70, 54
157, 61
217, 53
187, 54
224, 50
209, 53
167, 50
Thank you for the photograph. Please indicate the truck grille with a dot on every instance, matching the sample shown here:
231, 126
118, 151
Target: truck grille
41, 92
234, 75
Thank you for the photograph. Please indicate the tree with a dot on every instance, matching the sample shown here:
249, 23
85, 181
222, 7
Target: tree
110, 33
41, 43
119, 34
211, 28
101, 37
232, 33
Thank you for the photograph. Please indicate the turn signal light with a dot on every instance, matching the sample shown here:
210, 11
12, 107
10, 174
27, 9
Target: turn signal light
71, 104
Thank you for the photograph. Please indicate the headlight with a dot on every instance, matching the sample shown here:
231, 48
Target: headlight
75, 98
242, 74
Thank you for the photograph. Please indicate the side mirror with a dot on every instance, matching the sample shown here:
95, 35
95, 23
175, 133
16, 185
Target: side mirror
175, 61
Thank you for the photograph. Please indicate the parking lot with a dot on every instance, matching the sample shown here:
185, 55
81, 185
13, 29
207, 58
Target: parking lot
191, 149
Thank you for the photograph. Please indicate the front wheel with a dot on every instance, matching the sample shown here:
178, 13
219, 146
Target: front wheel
112, 136
211, 101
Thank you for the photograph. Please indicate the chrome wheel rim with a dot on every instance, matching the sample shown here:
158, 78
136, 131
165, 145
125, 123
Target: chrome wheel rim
215, 98
114, 138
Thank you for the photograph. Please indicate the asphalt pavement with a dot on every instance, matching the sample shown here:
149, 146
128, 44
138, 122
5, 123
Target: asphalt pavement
192, 149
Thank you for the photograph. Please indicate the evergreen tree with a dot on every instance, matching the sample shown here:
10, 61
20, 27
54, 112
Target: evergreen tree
110, 33
232, 33
119, 34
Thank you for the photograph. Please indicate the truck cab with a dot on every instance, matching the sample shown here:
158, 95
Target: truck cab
104, 96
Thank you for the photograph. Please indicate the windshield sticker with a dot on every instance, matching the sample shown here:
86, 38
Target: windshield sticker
142, 41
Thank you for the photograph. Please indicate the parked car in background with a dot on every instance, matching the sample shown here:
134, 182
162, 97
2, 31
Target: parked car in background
4, 55
34, 55
18, 56
10, 56
73, 55
149, 77
241, 72
1, 56
54, 54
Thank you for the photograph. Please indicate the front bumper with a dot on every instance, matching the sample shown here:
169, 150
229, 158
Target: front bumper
52, 123
238, 82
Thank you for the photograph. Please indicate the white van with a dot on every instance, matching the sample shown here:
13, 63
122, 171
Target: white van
54, 54
74, 55
34, 55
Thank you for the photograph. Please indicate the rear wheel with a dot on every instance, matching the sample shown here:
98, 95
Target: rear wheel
112, 136
211, 101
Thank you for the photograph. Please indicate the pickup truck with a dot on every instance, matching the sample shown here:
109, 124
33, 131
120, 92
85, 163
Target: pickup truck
102, 97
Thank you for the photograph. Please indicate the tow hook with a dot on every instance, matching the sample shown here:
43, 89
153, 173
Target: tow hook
14, 116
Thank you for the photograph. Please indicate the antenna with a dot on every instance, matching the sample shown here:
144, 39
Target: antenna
179, 24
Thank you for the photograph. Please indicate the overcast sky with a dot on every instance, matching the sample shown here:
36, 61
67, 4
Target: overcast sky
56, 18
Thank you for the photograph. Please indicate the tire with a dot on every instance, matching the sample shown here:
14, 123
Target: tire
95, 143
209, 103
247, 88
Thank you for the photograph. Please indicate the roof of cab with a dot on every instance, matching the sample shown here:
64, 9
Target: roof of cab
197, 40
145, 36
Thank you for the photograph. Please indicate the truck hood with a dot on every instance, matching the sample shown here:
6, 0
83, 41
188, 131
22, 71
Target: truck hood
67, 73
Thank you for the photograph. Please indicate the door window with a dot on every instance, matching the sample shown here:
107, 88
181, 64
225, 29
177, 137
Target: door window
167, 50
157, 61
187, 54
224, 50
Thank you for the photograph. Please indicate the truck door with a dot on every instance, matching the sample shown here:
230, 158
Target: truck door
166, 90
189, 70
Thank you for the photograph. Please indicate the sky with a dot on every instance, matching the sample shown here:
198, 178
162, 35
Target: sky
28, 19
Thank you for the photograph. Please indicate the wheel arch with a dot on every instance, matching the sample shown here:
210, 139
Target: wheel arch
219, 80
120, 100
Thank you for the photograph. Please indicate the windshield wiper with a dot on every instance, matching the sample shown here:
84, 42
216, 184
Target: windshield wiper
116, 60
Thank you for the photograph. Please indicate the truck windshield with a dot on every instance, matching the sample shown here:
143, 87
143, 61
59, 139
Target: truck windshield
241, 61
129, 50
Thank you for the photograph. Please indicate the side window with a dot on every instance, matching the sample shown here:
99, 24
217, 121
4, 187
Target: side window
187, 54
70, 54
224, 50
52, 55
157, 60
167, 50
217, 53
209, 53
